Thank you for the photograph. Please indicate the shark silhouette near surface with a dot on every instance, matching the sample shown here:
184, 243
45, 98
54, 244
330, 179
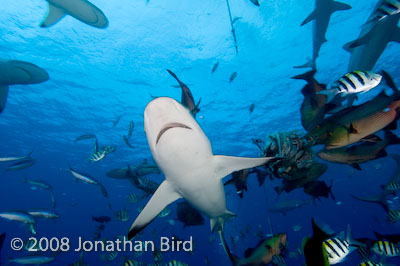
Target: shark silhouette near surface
321, 16
184, 154
18, 72
82, 10
372, 41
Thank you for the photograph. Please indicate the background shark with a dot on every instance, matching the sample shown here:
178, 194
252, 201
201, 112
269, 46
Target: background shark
372, 41
321, 16
18, 72
80, 9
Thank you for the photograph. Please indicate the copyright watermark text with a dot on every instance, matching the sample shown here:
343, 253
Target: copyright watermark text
64, 244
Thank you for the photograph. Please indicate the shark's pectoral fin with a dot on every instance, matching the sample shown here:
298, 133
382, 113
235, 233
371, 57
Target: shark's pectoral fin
358, 42
225, 165
164, 195
337, 6
310, 17
54, 14
3, 97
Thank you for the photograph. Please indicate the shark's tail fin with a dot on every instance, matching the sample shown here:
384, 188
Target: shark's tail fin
235, 260
307, 76
310, 63
379, 199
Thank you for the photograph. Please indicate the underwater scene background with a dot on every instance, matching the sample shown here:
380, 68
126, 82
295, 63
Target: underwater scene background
102, 79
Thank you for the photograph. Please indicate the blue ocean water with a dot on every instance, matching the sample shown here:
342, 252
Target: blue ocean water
97, 75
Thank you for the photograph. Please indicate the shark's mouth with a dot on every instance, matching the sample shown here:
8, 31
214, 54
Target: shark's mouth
169, 126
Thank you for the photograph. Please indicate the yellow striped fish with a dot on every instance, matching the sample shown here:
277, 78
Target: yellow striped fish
393, 216
176, 263
370, 263
385, 248
122, 215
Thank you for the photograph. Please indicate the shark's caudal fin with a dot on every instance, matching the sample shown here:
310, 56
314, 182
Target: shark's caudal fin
379, 199
54, 14
164, 195
307, 76
3, 97
234, 259
225, 165
310, 63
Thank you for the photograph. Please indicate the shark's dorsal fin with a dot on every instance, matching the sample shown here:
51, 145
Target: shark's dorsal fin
164, 195
225, 165
54, 14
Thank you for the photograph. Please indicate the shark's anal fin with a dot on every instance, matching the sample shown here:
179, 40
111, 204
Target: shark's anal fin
225, 165
54, 14
3, 97
164, 195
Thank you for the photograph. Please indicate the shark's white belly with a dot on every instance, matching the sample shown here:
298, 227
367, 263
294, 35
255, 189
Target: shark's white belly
187, 162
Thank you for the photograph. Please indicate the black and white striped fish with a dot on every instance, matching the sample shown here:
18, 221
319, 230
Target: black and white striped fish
352, 83
157, 255
134, 263
122, 215
97, 156
132, 198
337, 248
176, 263
392, 186
364, 251
370, 263
393, 216
385, 10
385, 248
108, 149
278, 260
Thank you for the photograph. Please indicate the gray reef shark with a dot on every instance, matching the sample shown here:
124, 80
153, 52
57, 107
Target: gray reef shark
372, 41
18, 72
183, 153
321, 16
82, 10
